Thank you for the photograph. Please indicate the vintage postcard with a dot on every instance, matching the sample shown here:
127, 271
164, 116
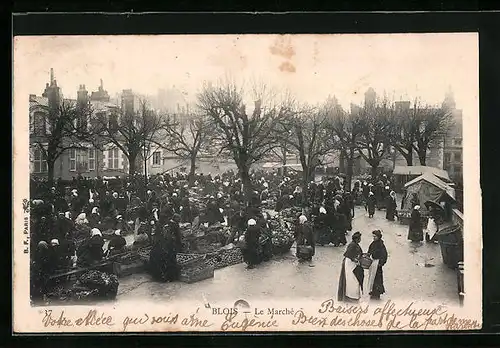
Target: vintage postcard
246, 183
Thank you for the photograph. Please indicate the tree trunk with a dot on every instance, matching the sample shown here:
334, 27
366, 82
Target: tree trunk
349, 171
192, 171
342, 158
374, 171
284, 168
131, 164
50, 172
422, 157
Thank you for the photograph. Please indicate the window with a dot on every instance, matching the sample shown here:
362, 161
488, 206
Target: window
157, 158
40, 162
82, 162
447, 157
72, 159
39, 126
458, 142
113, 160
91, 159
458, 157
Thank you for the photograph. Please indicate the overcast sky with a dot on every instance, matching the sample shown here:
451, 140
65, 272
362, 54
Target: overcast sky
311, 66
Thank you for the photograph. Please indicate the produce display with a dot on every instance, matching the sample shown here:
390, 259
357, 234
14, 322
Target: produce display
225, 257
282, 235
92, 285
106, 284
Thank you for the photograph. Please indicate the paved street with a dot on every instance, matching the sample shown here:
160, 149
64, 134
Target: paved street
406, 275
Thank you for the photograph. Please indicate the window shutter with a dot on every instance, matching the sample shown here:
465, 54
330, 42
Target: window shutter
32, 158
122, 160
48, 128
32, 128
105, 158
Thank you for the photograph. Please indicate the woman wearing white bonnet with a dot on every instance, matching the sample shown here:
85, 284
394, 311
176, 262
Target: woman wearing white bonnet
95, 232
81, 219
250, 252
415, 229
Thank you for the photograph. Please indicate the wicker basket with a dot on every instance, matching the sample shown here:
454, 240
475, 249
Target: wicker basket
365, 261
195, 270
282, 248
226, 257
304, 251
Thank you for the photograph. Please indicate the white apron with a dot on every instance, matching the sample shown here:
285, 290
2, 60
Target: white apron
372, 272
431, 227
352, 287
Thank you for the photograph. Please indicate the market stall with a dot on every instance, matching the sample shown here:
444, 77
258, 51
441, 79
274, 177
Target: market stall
404, 174
423, 189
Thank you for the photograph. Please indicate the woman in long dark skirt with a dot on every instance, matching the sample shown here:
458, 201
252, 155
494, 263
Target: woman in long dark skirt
378, 253
391, 206
371, 202
351, 274
415, 231
251, 252
163, 257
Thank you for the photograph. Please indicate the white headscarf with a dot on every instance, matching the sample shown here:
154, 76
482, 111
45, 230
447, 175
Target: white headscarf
302, 219
82, 219
95, 210
417, 207
67, 215
266, 185
115, 194
54, 242
95, 232
251, 222
118, 232
322, 210
174, 194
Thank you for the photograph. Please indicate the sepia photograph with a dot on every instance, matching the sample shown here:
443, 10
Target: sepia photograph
247, 182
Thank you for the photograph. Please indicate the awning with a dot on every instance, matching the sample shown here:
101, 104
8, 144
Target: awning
419, 170
434, 180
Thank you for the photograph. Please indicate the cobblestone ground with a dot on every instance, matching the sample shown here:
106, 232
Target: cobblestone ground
412, 272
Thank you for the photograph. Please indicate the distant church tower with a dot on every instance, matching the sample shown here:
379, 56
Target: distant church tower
449, 100
370, 97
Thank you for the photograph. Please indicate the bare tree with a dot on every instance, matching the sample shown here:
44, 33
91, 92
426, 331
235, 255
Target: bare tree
246, 137
133, 132
431, 126
60, 127
187, 138
306, 132
345, 129
405, 129
376, 130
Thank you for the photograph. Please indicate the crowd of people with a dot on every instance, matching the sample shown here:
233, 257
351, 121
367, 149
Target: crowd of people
80, 223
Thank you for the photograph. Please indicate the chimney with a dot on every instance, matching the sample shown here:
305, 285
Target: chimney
82, 95
51, 76
102, 86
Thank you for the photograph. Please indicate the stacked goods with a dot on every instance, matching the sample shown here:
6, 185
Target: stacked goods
282, 236
195, 270
224, 257
290, 214
106, 284
90, 286
62, 294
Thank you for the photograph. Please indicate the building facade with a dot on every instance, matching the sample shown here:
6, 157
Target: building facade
88, 161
